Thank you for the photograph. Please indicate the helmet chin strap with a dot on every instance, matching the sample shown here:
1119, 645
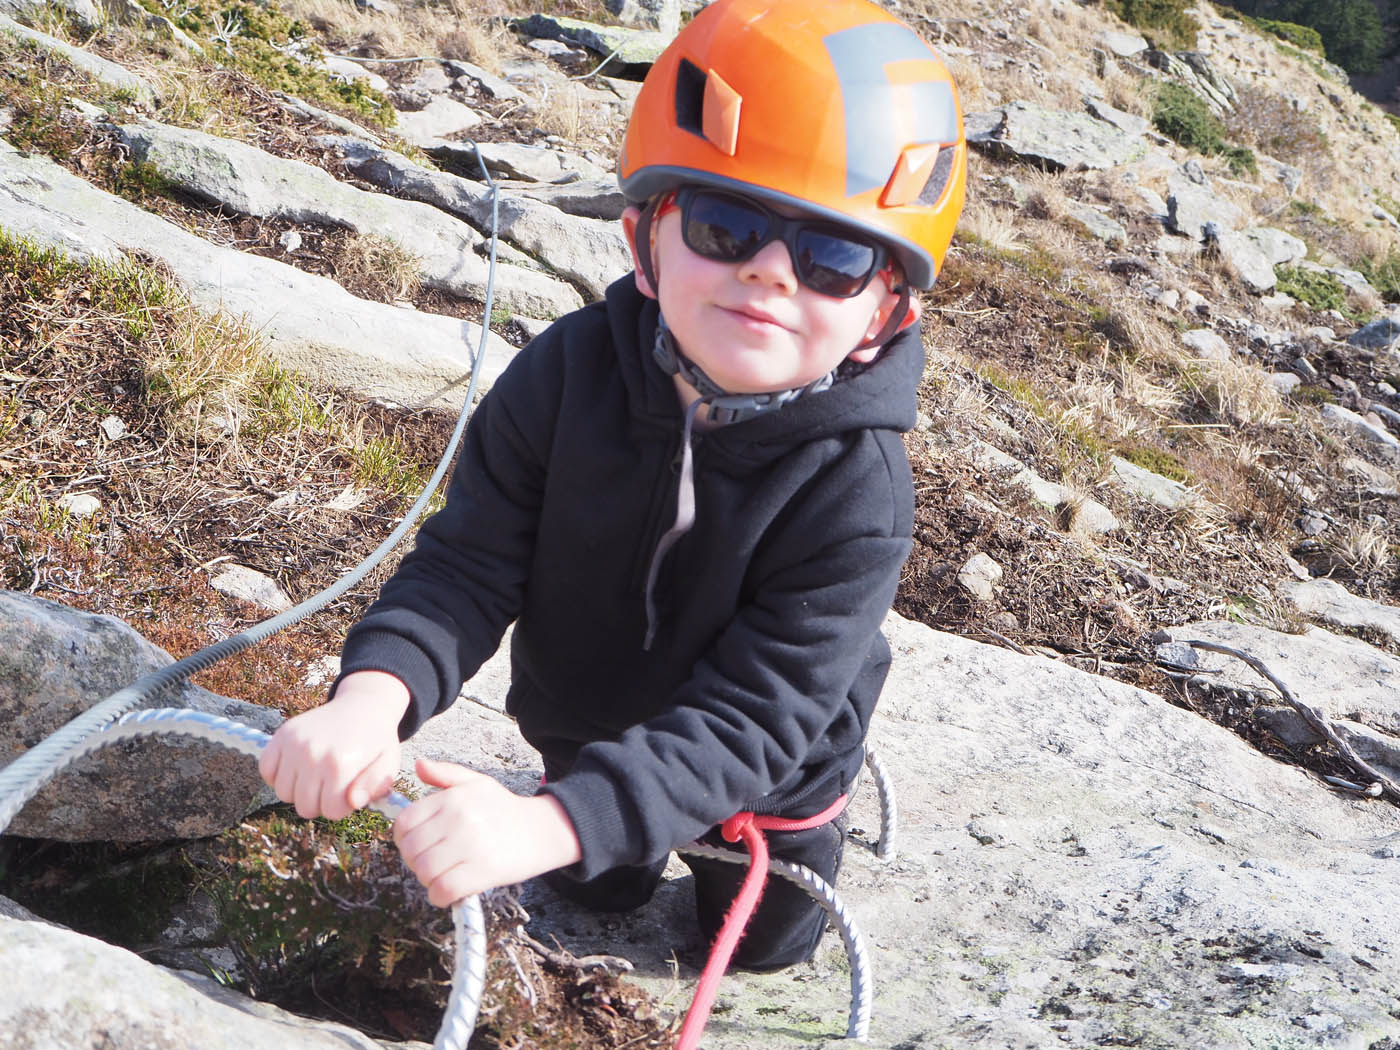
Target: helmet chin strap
725, 407
894, 322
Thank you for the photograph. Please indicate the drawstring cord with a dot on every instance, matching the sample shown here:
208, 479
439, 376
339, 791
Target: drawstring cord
748, 828
685, 517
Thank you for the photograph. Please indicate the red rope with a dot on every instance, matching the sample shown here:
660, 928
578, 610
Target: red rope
749, 828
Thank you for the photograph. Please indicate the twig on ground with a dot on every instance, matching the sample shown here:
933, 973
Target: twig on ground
529, 988
1003, 640
1312, 716
567, 961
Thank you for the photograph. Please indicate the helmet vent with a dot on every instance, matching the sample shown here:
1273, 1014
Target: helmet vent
938, 180
690, 97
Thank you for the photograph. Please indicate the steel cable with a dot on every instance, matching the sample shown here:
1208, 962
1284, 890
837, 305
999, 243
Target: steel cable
19, 779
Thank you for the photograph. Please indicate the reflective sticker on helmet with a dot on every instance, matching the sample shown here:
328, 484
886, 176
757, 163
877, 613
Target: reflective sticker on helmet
720, 115
882, 118
911, 173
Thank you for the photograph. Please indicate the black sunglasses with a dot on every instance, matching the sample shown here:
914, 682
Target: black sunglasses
827, 258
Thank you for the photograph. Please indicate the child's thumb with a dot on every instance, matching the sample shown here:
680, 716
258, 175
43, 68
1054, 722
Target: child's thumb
443, 774
374, 780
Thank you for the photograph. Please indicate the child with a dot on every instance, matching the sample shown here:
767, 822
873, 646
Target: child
692, 498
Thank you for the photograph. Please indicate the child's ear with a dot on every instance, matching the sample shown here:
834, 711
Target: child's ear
864, 353
630, 217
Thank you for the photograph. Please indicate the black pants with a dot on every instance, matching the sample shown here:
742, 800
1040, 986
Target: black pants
788, 922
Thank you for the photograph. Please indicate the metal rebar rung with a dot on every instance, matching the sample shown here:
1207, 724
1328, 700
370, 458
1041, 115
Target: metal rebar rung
469, 974
862, 994
889, 807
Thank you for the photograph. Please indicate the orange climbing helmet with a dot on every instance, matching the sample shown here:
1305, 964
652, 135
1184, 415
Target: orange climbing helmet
834, 106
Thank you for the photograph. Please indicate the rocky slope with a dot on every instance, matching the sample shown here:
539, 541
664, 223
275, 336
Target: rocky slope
1162, 406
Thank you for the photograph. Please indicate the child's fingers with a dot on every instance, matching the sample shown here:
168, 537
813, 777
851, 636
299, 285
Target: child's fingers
442, 867
443, 774
306, 795
451, 886
268, 761
374, 780
417, 845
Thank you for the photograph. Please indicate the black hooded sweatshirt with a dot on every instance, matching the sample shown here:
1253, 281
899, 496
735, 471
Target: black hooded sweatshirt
767, 658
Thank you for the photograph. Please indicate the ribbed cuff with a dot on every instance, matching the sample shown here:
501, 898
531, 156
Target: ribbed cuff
604, 821
396, 655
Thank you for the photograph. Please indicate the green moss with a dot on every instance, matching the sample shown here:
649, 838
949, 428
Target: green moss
1321, 291
1384, 274
1168, 22
1313, 394
275, 50
1019, 389
1158, 460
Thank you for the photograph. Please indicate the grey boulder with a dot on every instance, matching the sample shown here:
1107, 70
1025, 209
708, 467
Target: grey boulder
55, 663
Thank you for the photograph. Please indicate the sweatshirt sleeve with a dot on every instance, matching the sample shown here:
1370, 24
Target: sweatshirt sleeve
762, 698
444, 610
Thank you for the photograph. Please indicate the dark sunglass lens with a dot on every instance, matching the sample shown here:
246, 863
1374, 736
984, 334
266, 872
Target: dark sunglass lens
723, 228
834, 265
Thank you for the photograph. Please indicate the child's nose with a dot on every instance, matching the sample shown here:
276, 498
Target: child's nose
770, 265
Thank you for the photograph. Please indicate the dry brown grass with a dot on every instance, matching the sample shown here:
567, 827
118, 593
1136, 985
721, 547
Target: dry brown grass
1124, 91
1048, 199
1135, 327
1235, 392
377, 268
583, 116
973, 94
994, 226
1363, 547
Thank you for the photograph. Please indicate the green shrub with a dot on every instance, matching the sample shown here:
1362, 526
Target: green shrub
1321, 291
271, 47
1384, 275
1167, 20
1305, 37
1240, 160
1183, 116
304, 902
1314, 394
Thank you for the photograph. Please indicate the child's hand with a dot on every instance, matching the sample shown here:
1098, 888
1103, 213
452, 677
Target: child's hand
334, 759
476, 835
